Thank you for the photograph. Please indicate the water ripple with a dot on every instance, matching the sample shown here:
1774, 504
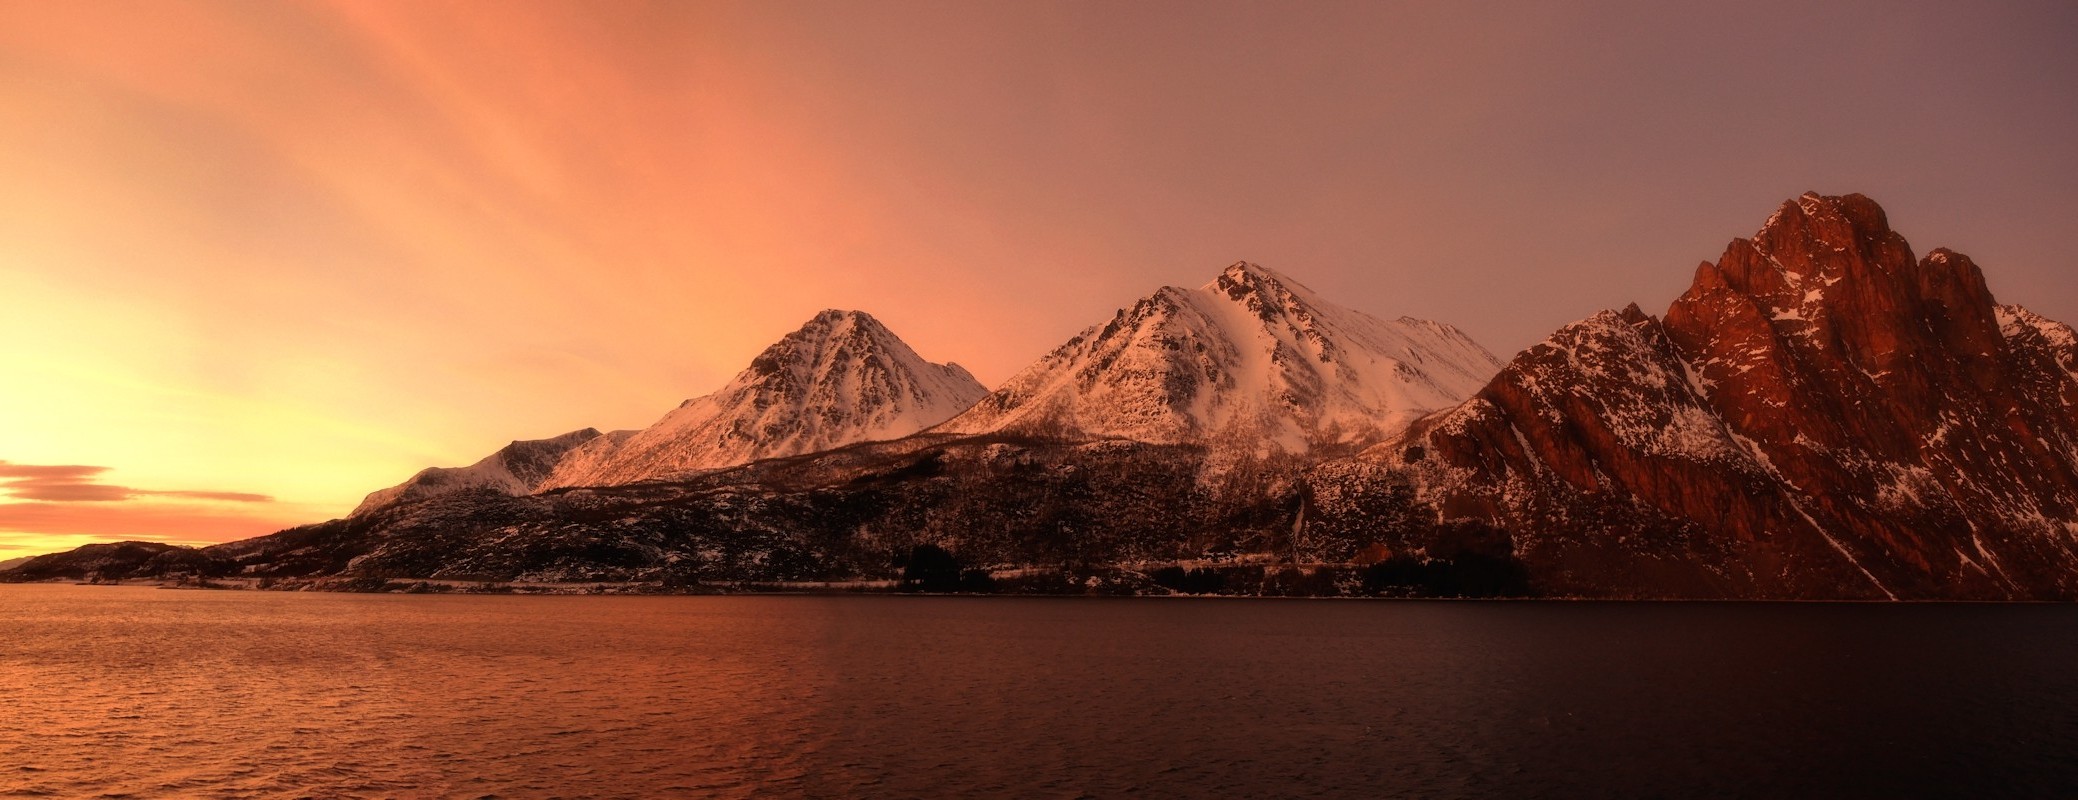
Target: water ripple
126, 692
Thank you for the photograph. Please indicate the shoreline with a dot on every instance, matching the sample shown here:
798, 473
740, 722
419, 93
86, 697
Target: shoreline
889, 588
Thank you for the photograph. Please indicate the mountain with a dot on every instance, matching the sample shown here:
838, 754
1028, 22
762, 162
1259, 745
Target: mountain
1821, 414
1253, 358
517, 468
1824, 414
112, 560
840, 379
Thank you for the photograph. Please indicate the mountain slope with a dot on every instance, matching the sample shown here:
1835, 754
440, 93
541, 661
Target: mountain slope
1821, 414
840, 379
1252, 358
517, 468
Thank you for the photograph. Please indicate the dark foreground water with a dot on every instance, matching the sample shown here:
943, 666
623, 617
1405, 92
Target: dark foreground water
154, 693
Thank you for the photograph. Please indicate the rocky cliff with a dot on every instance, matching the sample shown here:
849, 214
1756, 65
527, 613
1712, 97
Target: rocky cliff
1821, 414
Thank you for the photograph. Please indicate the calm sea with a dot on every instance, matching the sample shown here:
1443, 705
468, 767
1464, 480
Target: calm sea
133, 692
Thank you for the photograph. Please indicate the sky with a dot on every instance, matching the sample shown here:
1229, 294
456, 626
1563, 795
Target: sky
258, 259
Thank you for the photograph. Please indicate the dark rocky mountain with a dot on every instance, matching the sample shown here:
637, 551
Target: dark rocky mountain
1821, 414
114, 560
830, 516
1039, 515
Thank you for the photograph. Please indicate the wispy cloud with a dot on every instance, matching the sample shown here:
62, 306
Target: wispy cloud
148, 519
31, 528
234, 497
46, 508
76, 483
66, 472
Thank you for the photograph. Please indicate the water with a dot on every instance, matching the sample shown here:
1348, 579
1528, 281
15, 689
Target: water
152, 693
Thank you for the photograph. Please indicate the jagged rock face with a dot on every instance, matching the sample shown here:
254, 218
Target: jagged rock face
1820, 415
1252, 359
517, 468
841, 379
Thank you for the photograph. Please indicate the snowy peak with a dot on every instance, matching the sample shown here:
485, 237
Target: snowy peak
1252, 359
839, 379
2051, 346
516, 468
854, 376
2018, 324
1284, 307
1261, 290
826, 350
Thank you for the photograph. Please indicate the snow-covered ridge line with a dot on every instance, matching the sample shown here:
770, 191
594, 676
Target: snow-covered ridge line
841, 378
514, 469
1251, 360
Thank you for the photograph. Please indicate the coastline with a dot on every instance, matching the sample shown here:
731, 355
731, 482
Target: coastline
892, 588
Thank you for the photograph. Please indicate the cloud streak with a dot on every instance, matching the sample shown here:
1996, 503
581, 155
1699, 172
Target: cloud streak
159, 521
77, 483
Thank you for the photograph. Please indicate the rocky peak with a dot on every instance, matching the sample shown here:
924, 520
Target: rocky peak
1847, 417
1268, 295
1247, 275
1810, 244
1828, 273
1828, 306
2044, 347
2017, 323
829, 334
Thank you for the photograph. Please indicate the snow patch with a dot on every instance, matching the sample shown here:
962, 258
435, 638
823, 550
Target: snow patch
1844, 553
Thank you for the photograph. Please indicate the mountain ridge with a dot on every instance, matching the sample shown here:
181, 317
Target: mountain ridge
1251, 355
517, 468
1822, 414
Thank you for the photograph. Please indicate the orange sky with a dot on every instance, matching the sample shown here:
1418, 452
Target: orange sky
300, 250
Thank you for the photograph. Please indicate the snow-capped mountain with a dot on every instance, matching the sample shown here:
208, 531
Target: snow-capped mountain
842, 378
1822, 414
1253, 358
515, 469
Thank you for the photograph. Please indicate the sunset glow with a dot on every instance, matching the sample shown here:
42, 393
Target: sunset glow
259, 259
